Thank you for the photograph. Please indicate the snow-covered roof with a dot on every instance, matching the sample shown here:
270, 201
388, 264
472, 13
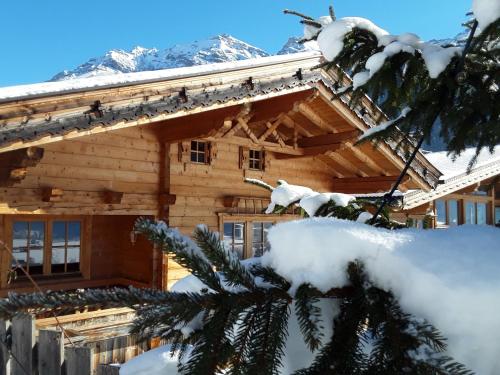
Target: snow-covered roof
116, 80
455, 175
454, 167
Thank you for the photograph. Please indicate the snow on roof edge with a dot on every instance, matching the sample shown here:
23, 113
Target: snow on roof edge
35, 90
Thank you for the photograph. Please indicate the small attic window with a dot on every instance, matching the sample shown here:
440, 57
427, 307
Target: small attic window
199, 152
256, 160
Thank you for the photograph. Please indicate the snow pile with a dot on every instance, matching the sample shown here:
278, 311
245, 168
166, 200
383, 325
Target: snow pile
449, 277
285, 194
157, 361
454, 167
486, 12
331, 42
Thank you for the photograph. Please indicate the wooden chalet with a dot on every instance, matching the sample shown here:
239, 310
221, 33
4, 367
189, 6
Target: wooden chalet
461, 197
79, 164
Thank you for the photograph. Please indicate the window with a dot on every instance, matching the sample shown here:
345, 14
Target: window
259, 238
441, 212
481, 213
256, 160
447, 212
497, 215
452, 212
199, 152
28, 242
65, 255
47, 247
234, 237
475, 212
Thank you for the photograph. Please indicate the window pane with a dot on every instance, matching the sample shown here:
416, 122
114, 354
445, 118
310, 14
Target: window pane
239, 232
36, 261
20, 235
481, 213
452, 212
238, 249
73, 261
257, 249
257, 232
73, 233
441, 211
58, 233
57, 259
497, 215
470, 213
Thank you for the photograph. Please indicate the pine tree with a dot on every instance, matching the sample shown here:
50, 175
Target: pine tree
463, 98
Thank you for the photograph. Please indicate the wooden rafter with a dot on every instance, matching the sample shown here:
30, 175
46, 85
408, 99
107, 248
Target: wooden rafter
332, 166
271, 129
312, 116
365, 184
288, 121
363, 157
248, 131
353, 168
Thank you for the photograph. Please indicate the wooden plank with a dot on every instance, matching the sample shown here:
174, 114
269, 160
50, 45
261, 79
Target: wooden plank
108, 370
326, 139
5, 360
23, 344
50, 352
78, 360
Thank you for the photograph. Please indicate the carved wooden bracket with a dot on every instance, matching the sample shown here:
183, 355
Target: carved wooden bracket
51, 194
13, 164
112, 197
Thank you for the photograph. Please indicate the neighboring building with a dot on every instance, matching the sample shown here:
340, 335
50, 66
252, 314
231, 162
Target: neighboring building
81, 160
462, 197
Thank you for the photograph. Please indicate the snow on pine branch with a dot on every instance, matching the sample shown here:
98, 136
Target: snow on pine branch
450, 277
486, 12
309, 200
384, 126
331, 43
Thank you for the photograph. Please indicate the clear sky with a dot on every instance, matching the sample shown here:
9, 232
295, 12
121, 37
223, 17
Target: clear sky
39, 38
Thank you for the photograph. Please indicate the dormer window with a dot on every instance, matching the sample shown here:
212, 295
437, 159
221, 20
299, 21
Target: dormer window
199, 152
256, 160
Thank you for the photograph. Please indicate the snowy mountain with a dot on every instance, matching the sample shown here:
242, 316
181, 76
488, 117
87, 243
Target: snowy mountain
220, 48
293, 46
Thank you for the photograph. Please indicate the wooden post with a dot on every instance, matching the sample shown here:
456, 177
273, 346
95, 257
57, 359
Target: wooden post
78, 360
4, 352
108, 370
50, 352
23, 343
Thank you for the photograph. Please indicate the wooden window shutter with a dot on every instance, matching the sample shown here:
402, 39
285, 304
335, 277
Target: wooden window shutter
243, 157
211, 152
184, 149
265, 161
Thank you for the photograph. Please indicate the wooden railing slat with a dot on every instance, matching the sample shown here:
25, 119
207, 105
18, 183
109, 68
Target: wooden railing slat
23, 343
50, 352
5, 359
78, 360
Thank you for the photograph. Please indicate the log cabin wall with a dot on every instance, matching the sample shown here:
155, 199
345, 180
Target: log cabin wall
200, 189
107, 180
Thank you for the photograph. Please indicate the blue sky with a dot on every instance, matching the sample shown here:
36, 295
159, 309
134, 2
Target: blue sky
39, 38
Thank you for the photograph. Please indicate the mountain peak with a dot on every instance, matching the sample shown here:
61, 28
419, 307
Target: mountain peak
218, 48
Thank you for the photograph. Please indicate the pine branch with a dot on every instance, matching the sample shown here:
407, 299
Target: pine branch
308, 315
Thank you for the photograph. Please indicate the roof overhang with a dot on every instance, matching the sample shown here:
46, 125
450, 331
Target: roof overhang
47, 117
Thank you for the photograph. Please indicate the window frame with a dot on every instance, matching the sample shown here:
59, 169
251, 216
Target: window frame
249, 219
197, 152
48, 220
459, 212
258, 161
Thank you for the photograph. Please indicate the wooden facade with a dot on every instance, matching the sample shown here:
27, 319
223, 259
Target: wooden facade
178, 150
471, 197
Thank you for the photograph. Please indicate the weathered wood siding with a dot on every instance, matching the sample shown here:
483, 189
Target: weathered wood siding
124, 161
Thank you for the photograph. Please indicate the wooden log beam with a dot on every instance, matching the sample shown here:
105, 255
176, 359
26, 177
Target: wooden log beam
248, 131
316, 119
310, 151
112, 197
326, 139
51, 194
13, 164
365, 184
